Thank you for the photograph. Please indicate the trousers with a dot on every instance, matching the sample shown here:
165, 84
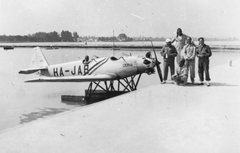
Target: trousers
203, 67
191, 67
166, 64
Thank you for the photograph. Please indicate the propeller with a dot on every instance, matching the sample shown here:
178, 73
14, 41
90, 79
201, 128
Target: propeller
157, 64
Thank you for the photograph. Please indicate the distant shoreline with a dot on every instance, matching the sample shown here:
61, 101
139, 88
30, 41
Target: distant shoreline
109, 45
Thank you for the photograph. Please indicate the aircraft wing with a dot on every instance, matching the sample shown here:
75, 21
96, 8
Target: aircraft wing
31, 70
89, 78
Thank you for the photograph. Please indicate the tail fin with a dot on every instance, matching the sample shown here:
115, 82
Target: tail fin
39, 60
38, 64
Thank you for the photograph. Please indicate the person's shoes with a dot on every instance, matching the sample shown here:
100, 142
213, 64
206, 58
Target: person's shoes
163, 82
201, 83
192, 80
173, 82
208, 84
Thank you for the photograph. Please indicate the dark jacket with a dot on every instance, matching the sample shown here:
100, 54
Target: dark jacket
168, 52
203, 51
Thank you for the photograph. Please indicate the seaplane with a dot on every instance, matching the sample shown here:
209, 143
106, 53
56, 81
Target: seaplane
100, 72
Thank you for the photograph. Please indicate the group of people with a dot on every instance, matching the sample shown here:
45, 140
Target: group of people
185, 52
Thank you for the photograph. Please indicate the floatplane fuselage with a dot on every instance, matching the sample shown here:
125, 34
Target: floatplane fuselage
96, 69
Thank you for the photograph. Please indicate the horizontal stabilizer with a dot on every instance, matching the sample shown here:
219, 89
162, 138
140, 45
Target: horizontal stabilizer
74, 78
31, 70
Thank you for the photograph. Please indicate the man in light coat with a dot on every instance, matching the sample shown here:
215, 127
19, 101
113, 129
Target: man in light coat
189, 54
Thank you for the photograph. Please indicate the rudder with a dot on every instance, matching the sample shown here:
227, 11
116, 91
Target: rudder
39, 60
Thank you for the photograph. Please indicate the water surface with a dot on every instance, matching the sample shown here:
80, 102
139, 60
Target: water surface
25, 102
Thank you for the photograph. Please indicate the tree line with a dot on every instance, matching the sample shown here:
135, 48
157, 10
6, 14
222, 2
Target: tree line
121, 37
64, 36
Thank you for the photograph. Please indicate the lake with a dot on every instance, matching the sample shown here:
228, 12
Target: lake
25, 102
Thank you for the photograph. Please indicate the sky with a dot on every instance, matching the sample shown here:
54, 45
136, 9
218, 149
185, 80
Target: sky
149, 18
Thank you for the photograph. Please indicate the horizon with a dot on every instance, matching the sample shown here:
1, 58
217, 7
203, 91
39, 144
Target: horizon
159, 37
152, 18
139, 36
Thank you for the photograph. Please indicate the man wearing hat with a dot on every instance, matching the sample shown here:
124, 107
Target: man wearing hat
203, 53
169, 53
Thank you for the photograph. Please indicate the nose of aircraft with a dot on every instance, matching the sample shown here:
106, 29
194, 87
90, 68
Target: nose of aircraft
147, 61
154, 61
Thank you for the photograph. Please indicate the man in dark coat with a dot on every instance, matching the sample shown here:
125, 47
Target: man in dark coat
203, 53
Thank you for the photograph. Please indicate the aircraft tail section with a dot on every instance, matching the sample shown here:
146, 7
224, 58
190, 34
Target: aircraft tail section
39, 60
38, 64
31, 70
